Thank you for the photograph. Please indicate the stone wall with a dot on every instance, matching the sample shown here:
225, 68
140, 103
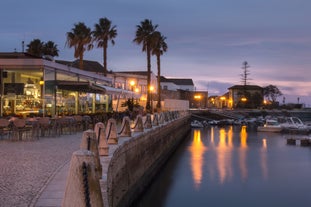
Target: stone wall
137, 161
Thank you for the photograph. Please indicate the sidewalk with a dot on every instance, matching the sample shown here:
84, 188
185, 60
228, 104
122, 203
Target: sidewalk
53, 193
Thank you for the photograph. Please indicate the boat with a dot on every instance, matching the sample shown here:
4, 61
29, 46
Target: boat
294, 124
196, 124
270, 125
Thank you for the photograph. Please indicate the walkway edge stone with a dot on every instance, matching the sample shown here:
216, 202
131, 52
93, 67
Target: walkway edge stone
35, 199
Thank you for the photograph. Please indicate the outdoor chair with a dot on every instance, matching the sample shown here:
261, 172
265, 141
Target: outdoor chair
78, 122
45, 127
64, 125
5, 128
20, 130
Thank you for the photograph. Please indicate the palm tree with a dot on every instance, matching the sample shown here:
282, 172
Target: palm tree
80, 38
143, 36
35, 47
159, 46
102, 33
50, 48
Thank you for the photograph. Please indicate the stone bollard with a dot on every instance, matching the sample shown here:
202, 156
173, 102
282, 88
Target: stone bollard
147, 124
138, 126
125, 127
103, 147
155, 121
82, 185
111, 131
89, 142
161, 118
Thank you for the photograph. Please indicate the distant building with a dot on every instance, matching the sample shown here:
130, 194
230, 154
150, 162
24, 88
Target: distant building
174, 84
249, 96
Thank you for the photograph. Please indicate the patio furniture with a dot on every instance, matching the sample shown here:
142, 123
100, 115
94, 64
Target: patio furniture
20, 130
45, 126
5, 128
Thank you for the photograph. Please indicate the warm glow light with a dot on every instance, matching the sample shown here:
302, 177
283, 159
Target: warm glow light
222, 98
132, 83
41, 82
263, 159
224, 162
197, 150
243, 153
136, 90
197, 97
243, 99
151, 88
243, 136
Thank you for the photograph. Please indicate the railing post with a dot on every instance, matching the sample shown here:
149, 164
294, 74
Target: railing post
82, 186
103, 146
111, 131
89, 142
147, 123
125, 127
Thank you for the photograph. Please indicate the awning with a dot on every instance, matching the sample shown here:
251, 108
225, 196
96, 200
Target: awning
117, 91
86, 87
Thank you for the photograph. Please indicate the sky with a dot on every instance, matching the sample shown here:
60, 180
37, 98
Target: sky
208, 40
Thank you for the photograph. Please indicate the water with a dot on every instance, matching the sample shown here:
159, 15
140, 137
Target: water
233, 166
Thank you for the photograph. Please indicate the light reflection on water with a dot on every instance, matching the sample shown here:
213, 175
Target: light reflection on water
197, 150
233, 166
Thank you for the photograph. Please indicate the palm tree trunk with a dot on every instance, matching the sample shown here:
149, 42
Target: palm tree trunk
105, 60
81, 62
148, 106
159, 83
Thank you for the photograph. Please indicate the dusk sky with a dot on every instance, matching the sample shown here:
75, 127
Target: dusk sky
208, 40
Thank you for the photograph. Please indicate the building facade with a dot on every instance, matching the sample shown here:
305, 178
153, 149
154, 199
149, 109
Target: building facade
32, 85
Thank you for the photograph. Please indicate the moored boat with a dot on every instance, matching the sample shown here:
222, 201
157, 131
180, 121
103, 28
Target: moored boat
196, 124
270, 125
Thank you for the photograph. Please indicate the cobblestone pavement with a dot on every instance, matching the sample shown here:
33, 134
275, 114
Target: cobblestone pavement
26, 167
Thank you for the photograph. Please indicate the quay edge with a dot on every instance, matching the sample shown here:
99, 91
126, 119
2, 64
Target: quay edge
135, 163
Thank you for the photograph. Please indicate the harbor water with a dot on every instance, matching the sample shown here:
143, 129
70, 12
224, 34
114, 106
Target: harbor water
233, 166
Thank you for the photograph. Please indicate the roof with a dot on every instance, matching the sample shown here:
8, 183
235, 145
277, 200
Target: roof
88, 65
17, 55
247, 87
178, 81
143, 73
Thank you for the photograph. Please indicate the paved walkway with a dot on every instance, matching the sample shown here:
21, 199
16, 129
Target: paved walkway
34, 173
26, 167
53, 193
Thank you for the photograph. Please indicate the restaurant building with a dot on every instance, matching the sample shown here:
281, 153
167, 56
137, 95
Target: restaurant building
39, 86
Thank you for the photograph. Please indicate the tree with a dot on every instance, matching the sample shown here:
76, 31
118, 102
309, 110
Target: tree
159, 46
103, 32
272, 92
50, 48
246, 73
143, 36
80, 38
38, 48
35, 47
